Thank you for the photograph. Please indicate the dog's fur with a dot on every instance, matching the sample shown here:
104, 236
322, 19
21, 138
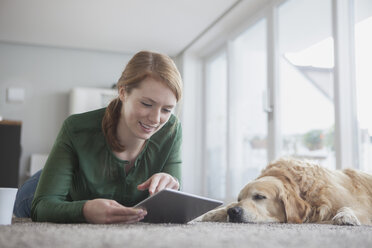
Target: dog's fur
295, 191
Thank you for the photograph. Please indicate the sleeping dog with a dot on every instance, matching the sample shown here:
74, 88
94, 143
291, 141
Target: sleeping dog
294, 191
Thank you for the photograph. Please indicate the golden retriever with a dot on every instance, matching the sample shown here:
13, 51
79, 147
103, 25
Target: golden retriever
294, 191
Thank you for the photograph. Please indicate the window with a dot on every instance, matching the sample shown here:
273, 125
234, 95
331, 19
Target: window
306, 80
248, 135
216, 126
363, 74
301, 63
236, 150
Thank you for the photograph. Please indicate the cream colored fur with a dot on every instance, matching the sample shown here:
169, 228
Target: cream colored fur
295, 191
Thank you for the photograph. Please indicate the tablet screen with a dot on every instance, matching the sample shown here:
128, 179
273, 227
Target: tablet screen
172, 206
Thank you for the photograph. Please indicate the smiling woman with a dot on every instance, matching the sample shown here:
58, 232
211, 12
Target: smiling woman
107, 160
146, 109
142, 67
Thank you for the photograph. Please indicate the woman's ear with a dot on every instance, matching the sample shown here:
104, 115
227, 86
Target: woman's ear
122, 93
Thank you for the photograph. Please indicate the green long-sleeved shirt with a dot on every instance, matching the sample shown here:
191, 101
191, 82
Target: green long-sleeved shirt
81, 166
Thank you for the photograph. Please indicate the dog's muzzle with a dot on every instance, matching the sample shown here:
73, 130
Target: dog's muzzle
235, 214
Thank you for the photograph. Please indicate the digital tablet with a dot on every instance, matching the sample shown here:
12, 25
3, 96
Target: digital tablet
172, 206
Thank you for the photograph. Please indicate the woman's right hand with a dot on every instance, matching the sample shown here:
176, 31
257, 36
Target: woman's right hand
104, 211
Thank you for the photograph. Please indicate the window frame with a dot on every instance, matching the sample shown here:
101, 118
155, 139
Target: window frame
219, 52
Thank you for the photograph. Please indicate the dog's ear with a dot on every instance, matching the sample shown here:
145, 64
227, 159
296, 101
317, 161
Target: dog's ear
296, 209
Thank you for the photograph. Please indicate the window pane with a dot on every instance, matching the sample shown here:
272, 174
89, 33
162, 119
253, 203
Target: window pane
306, 80
216, 109
249, 121
363, 62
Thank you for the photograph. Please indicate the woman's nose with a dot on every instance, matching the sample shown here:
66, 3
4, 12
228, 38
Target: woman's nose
154, 116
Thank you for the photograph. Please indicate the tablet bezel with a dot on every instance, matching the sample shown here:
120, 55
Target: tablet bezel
172, 206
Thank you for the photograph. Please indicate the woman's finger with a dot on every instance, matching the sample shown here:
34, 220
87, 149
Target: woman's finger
162, 184
154, 184
123, 211
173, 184
144, 185
124, 219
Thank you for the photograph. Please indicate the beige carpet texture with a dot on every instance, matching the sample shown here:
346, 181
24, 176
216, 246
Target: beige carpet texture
25, 233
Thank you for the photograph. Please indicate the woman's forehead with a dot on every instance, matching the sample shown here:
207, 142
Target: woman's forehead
156, 91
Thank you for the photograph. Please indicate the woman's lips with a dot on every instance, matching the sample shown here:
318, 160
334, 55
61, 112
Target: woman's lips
147, 128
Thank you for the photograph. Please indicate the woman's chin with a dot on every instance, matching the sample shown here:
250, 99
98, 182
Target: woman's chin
144, 135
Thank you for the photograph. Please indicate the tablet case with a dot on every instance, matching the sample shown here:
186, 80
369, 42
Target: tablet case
172, 206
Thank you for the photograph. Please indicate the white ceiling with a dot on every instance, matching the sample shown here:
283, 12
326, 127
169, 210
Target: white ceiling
127, 26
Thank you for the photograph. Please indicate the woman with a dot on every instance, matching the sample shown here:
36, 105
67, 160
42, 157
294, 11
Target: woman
107, 160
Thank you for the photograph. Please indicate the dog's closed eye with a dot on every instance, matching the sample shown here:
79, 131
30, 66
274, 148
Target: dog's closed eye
258, 197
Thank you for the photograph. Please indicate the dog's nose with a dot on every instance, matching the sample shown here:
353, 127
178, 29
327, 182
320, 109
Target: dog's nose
235, 214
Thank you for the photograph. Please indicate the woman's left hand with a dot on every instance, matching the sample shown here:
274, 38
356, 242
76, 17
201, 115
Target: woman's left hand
158, 182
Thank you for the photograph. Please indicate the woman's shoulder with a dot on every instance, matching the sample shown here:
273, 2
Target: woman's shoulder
173, 124
87, 120
170, 131
172, 120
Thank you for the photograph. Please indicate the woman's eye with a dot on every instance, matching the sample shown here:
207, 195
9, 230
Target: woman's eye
259, 197
146, 105
167, 110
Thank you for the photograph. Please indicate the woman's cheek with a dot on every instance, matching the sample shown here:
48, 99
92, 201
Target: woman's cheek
165, 119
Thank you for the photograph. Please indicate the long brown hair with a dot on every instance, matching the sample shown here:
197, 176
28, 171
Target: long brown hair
143, 64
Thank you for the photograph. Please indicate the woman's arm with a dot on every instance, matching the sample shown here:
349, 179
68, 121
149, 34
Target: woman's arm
51, 201
171, 174
174, 161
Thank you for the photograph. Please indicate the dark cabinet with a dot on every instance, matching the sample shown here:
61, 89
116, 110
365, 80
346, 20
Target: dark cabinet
10, 152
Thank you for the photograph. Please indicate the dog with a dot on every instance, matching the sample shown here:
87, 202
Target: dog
295, 191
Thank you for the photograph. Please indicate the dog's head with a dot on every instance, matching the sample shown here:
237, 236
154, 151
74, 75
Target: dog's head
269, 199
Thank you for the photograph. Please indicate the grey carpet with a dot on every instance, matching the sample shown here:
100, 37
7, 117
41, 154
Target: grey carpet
24, 233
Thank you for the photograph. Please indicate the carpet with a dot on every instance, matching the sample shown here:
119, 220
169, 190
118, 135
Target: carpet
25, 233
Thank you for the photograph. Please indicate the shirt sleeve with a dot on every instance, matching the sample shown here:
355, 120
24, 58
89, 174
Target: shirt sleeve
51, 201
174, 161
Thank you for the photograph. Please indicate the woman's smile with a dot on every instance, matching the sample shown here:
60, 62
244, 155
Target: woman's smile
148, 128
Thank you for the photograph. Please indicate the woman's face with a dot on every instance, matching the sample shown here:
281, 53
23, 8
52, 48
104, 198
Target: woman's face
147, 108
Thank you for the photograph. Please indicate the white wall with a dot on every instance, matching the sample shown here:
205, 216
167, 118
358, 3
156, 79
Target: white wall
47, 74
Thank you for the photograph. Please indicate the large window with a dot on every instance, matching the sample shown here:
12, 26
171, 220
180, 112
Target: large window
306, 80
289, 52
363, 73
216, 126
248, 88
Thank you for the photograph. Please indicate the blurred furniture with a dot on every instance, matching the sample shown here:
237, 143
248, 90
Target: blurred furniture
10, 152
87, 99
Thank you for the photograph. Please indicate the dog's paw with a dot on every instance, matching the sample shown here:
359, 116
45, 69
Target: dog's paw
345, 216
218, 215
